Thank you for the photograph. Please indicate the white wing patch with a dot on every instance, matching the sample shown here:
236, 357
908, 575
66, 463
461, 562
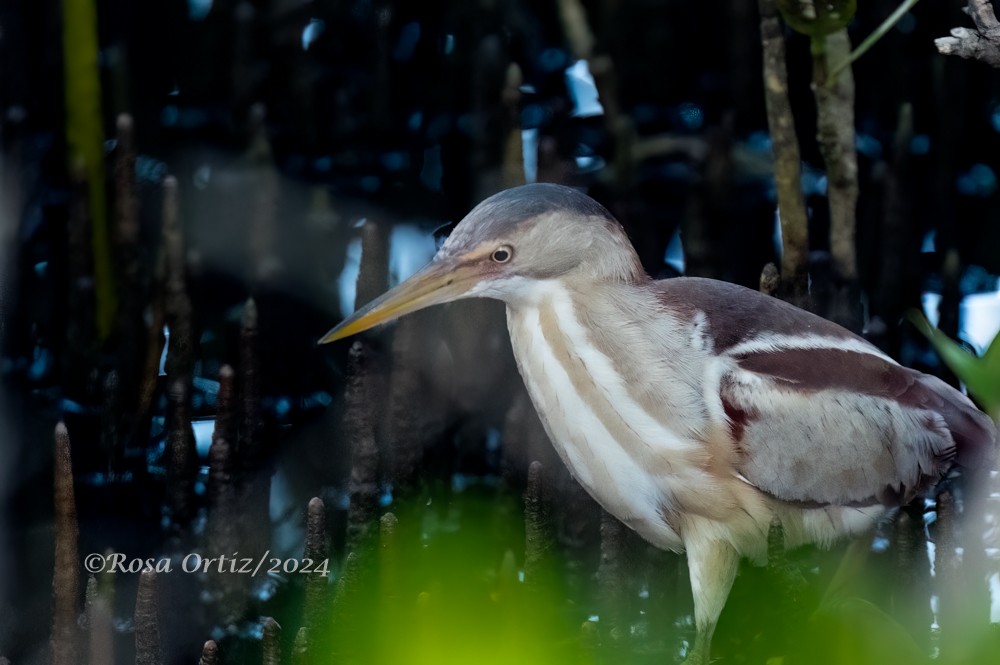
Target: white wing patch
772, 342
700, 339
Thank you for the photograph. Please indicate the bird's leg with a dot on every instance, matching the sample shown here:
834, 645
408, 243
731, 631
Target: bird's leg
712, 565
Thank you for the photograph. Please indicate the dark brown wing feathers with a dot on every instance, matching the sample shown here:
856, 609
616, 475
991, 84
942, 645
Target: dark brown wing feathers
737, 315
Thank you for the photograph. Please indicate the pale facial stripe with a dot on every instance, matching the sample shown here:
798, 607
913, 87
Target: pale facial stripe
771, 343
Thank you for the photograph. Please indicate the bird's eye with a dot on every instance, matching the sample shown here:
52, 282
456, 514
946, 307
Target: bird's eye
502, 254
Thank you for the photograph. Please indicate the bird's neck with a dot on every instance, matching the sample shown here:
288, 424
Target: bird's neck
618, 326
595, 379
611, 261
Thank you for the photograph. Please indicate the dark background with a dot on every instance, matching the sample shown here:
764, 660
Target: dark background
396, 114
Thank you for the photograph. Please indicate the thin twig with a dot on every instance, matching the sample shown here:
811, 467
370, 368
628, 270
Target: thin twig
837, 298
612, 574
110, 438
126, 198
227, 412
99, 623
66, 574
180, 353
250, 445
573, 17
300, 647
181, 454
414, 414
872, 39
271, 642
359, 426
835, 131
787, 158
540, 541
390, 564
315, 550
513, 148
147, 622
222, 526
251, 449
131, 328
342, 619
373, 274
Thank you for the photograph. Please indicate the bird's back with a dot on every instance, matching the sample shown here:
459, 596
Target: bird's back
818, 414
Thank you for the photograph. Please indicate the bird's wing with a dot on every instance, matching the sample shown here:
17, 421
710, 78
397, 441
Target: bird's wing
835, 426
818, 414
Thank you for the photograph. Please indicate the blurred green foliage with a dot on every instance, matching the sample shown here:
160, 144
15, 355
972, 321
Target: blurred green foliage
85, 142
981, 375
817, 19
446, 586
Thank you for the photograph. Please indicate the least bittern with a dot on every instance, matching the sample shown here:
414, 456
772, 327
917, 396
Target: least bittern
693, 410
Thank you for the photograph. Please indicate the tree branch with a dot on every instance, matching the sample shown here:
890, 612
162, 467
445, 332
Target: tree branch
835, 132
787, 160
983, 43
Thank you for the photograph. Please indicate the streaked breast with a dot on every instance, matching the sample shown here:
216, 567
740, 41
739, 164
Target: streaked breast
626, 458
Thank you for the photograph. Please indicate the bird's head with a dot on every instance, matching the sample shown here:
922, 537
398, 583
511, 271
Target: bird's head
504, 248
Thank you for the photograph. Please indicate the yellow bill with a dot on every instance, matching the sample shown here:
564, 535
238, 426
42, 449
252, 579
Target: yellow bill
438, 282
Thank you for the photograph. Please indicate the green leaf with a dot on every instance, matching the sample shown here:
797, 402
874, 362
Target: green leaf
85, 142
853, 630
980, 375
817, 19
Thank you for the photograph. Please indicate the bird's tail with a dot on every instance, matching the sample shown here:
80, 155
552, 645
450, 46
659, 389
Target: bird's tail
974, 433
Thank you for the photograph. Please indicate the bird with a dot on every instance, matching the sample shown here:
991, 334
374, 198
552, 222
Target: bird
695, 411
